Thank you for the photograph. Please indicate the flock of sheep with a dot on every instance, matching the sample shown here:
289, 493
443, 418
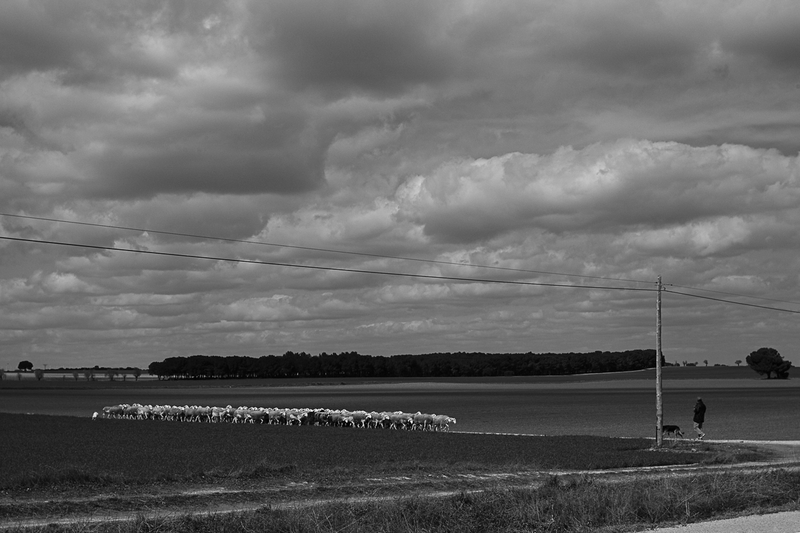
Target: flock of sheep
258, 415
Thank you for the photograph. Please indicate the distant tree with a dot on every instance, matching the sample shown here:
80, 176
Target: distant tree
705, 362
88, 373
136, 373
738, 362
39, 373
766, 361
110, 374
25, 365
75, 374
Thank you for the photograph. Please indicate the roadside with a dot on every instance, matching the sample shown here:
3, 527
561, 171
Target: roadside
787, 456
782, 522
176, 500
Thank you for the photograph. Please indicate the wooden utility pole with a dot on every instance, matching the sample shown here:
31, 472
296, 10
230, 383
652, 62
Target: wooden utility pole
659, 403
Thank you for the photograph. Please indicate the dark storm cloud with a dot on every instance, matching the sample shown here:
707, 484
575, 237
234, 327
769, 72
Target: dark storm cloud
623, 36
767, 34
357, 45
132, 100
15, 120
41, 37
83, 42
282, 169
229, 217
226, 143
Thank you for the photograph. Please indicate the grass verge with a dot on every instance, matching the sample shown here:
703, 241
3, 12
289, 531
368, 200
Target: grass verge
558, 506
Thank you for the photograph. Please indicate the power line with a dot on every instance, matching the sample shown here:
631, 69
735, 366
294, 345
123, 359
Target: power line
318, 267
385, 273
316, 249
735, 294
732, 302
377, 272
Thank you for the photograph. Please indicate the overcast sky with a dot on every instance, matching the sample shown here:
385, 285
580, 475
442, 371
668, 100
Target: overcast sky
569, 143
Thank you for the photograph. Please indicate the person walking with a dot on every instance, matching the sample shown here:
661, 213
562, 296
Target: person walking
699, 417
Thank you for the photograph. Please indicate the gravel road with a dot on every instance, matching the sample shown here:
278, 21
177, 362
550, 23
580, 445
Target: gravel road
788, 522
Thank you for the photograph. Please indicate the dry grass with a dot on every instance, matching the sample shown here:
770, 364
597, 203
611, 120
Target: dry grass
574, 506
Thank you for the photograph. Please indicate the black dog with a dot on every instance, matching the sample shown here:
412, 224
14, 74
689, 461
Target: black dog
669, 429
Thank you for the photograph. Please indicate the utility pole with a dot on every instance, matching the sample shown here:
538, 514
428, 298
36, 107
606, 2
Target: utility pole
659, 403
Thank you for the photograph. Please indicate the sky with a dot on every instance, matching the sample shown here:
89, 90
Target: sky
394, 177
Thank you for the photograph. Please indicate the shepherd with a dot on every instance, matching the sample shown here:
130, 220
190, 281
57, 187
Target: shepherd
699, 417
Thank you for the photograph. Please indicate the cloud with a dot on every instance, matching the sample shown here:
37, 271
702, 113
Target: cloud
624, 184
276, 308
169, 146
100, 123
698, 239
654, 38
763, 32
130, 102
617, 140
355, 45
81, 41
64, 283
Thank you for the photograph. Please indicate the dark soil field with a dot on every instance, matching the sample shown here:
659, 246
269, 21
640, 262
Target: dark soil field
38, 447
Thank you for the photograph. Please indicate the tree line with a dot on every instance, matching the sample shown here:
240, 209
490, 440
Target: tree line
88, 373
353, 364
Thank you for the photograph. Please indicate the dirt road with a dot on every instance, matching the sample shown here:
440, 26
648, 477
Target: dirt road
175, 501
788, 522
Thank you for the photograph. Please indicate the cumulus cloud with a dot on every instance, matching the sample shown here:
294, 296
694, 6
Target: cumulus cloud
125, 101
627, 183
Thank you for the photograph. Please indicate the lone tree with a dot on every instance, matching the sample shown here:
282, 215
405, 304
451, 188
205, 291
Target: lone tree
767, 361
25, 365
738, 362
